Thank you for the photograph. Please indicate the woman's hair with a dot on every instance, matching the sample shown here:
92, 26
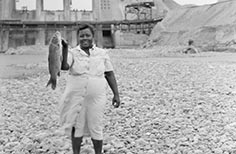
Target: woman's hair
85, 26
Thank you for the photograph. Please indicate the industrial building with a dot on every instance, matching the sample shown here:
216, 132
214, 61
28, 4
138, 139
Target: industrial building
118, 23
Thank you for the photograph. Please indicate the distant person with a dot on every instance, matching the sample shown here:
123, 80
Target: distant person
83, 102
191, 48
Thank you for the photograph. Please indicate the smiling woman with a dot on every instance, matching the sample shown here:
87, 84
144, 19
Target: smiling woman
84, 100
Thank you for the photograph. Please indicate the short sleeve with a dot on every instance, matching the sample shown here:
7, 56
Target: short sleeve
70, 58
108, 64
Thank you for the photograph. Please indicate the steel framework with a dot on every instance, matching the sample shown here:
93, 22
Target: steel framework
139, 11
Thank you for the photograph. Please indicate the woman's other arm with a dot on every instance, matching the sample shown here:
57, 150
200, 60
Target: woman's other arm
110, 77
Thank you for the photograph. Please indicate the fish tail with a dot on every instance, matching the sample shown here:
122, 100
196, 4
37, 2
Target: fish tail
53, 83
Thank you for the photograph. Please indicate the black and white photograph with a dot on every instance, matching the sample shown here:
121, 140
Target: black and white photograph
117, 76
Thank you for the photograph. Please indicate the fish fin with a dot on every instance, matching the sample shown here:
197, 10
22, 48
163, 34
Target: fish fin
53, 83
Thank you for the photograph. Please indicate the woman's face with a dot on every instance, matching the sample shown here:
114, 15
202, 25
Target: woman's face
85, 38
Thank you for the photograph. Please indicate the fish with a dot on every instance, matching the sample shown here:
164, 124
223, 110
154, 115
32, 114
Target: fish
54, 59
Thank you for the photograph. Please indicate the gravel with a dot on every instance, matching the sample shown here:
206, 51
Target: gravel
170, 105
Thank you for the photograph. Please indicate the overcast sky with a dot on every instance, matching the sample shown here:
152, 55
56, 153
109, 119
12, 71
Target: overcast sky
197, 2
87, 4
55, 4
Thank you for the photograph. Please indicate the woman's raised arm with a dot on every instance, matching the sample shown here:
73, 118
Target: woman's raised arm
64, 64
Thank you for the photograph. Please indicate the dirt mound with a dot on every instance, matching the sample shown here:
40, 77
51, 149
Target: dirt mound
162, 7
171, 4
207, 25
187, 18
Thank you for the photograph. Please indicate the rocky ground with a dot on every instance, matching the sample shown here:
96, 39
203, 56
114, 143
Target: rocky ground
171, 104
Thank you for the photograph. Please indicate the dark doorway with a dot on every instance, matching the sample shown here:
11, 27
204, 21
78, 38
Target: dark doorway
107, 37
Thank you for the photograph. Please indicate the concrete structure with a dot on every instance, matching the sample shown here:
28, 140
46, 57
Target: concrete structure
103, 10
29, 27
39, 9
66, 4
8, 8
109, 9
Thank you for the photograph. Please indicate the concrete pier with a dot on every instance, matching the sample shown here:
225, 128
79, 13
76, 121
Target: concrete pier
39, 9
96, 10
8, 8
66, 4
40, 39
74, 38
99, 36
4, 39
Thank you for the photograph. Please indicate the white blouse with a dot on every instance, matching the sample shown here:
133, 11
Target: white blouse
95, 64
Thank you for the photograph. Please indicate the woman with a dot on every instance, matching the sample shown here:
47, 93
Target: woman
83, 102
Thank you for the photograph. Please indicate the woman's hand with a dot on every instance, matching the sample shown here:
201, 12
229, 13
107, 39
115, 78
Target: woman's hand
116, 101
110, 77
64, 43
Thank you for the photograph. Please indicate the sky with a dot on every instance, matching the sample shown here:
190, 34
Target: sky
196, 2
87, 4
55, 4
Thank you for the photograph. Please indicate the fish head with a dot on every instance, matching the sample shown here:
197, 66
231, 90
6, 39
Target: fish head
56, 39
57, 34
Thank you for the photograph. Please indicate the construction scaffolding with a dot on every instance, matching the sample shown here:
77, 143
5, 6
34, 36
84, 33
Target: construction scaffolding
139, 11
